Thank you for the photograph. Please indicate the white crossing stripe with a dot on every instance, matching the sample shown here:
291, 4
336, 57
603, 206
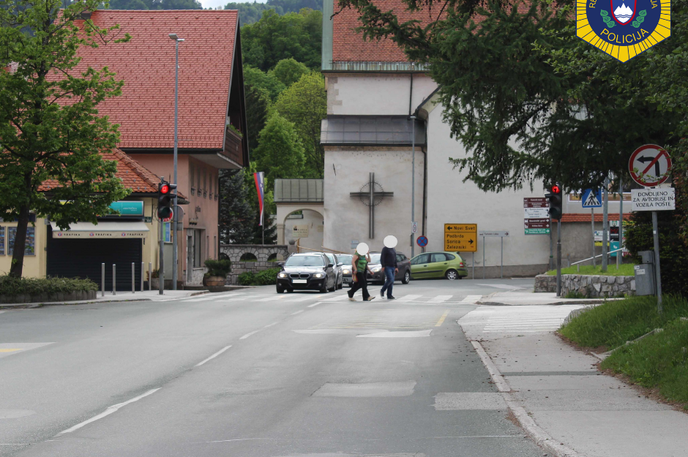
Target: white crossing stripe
409, 297
471, 299
211, 296
440, 298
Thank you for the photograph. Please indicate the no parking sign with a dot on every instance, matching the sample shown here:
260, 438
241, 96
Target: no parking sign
422, 241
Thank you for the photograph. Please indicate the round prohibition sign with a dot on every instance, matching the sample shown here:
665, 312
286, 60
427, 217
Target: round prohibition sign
649, 165
422, 241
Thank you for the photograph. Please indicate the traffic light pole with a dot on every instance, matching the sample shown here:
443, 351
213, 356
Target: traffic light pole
559, 258
174, 215
161, 268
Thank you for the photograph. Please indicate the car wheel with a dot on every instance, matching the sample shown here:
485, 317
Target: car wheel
451, 275
323, 288
290, 291
407, 277
280, 290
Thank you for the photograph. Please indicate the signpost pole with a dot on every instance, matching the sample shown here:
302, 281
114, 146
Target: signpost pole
161, 268
592, 224
658, 275
483, 256
473, 259
551, 247
605, 225
559, 258
501, 262
618, 254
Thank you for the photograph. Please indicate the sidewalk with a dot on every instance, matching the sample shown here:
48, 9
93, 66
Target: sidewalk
121, 296
556, 392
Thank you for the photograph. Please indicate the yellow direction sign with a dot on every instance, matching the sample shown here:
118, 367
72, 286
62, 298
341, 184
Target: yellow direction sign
461, 237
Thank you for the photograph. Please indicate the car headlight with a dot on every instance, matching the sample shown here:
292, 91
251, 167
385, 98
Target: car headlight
376, 269
319, 275
346, 271
281, 275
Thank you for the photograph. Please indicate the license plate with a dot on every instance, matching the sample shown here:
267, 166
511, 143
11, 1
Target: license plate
299, 281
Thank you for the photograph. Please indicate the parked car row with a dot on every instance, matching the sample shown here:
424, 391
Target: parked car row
325, 271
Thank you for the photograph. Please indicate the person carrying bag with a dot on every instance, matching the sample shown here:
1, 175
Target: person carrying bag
359, 264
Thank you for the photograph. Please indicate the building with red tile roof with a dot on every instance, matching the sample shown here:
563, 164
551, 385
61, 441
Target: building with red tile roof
211, 110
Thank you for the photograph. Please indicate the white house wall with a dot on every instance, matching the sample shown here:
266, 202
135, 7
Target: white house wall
346, 218
450, 200
376, 94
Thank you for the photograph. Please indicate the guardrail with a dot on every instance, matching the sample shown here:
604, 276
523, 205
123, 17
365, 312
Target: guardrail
577, 264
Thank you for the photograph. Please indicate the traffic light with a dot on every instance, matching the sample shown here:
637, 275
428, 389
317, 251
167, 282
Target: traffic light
555, 201
165, 196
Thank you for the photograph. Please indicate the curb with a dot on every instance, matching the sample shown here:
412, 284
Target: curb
532, 429
90, 302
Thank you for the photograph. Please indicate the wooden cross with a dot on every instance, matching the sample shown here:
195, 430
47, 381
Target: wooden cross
371, 197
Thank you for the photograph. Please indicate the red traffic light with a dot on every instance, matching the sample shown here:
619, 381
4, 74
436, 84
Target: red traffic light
165, 189
556, 189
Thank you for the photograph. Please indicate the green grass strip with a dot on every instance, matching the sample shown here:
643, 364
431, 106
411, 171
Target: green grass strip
611, 324
657, 361
626, 269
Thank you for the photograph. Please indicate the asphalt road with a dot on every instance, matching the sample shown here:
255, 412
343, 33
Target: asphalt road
253, 373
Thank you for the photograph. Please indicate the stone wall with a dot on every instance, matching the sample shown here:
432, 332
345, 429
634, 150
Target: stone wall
261, 252
588, 285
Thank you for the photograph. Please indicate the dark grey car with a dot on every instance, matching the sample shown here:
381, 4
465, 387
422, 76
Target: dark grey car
307, 271
403, 264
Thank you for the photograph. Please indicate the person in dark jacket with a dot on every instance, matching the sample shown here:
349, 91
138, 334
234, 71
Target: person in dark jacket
388, 259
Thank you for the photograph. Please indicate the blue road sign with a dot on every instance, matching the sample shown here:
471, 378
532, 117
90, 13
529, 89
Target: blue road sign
592, 199
422, 241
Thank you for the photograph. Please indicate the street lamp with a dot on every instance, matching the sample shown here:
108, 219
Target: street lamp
177, 40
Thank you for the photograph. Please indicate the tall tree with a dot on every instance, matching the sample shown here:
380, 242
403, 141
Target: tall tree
237, 216
288, 71
268, 81
50, 132
280, 154
257, 109
304, 104
504, 100
275, 37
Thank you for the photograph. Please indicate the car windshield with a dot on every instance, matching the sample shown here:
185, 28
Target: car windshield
345, 258
304, 261
374, 258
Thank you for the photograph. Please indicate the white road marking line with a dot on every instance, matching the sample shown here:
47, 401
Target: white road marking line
409, 297
214, 355
249, 334
107, 412
206, 297
471, 299
314, 304
440, 298
299, 311
337, 298
270, 325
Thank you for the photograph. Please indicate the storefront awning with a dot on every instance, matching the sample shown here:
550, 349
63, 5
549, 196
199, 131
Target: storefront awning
112, 230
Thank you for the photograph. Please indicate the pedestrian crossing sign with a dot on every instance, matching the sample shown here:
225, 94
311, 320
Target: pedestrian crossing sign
592, 198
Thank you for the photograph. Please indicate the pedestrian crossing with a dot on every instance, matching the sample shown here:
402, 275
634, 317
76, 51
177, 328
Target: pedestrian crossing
339, 297
515, 320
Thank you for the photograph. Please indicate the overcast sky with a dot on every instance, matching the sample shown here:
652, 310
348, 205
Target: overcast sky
216, 3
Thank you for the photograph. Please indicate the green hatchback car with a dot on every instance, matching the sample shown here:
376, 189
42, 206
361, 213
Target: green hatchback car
448, 265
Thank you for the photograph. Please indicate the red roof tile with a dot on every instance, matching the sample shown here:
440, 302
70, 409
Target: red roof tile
134, 176
145, 111
349, 46
585, 217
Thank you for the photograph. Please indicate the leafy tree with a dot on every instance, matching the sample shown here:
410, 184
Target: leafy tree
304, 104
288, 71
268, 81
519, 118
252, 12
257, 108
274, 37
155, 5
237, 216
49, 128
280, 154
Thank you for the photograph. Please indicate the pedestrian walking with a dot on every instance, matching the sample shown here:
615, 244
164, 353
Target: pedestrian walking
388, 259
359, 265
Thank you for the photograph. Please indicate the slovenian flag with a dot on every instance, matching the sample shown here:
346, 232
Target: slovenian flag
258, 178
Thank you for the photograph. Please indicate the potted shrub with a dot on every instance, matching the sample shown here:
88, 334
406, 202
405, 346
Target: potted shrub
217, 272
